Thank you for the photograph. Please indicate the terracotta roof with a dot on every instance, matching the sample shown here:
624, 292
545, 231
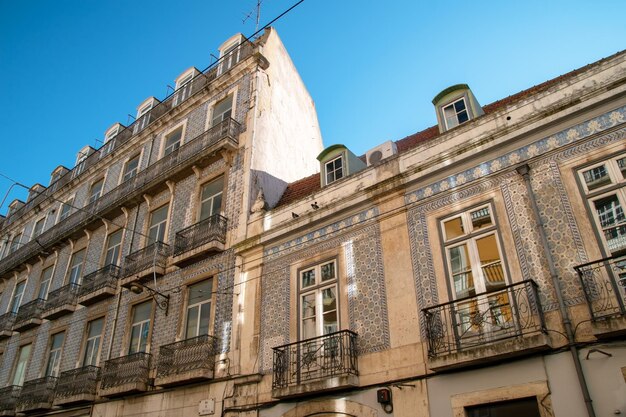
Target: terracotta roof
310, 185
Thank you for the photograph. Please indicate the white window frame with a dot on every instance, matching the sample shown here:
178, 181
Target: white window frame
16, 242
93, 197
64, 215
456, 114
210, 301
19, 367
170, 133
53, 365
42, 221
129, 174
91, 355
317, 289
115, 248
213, 117
226, 56
141, 325
44, 282
163, 224
75, 271
14, 305
334, 170
211, 198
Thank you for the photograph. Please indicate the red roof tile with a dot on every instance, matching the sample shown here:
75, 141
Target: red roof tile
300, 188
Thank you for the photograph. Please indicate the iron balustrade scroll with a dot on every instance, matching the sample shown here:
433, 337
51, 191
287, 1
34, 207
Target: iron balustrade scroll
102, 278
193, 354
37, 392
30, 310
513, 311
187, 154
79, 381
322, 357
8, 398
173, 100
210, 229
604, 284
67, 294
154, 255
130, 369
6, 322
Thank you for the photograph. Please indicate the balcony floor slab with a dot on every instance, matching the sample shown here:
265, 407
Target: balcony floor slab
96, 296
198, 254
184, 377
58, 312
124, 389
335, 383
609, 327
75, 399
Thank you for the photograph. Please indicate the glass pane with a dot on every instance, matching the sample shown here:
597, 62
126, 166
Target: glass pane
308, 305
461, 272
481, 218
57, 340
200, 292
192, 322
88, 358
329, 299
205, 318
308, 278
453, 228
490, 262
500, 310
621, 164
462, 117
309, 328
159, 215
134, 339
145, 329
95, 328
609, 211
328, 271
142, 312
459, 106
596, 177
20, 368
222, 110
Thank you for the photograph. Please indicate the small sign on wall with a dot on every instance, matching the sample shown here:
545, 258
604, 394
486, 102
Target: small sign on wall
206, 407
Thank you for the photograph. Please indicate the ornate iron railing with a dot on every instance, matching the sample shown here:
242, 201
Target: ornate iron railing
188, 153
187, 355
78, 382
8, 398
154, 255
134, 368
6, 321
604, 284
513, 311
209, 229
102, 278
37, 392
67, 294
31, 310
334, 354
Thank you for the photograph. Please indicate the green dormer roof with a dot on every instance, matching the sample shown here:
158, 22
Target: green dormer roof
449, 90
328, 150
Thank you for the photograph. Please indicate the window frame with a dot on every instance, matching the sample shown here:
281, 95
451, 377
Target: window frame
212, 300
12, 303
42, 221
201, 201
71, 266
149, 224
17, 362
456, 114
69, 202
92, 196
130, 326
125, 172
182, 127
48, 282
211, 120
54, 356
16, 242
85, 343
317, 289
340, 157
107, 248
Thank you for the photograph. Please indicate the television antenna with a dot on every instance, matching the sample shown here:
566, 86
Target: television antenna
256, 11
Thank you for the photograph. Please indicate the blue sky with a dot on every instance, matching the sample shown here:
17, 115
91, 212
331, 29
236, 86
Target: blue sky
71, 68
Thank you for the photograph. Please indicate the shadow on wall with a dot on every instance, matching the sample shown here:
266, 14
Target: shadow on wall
273, 188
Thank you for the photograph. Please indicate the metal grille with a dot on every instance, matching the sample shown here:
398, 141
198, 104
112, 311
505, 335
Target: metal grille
31, 310
321, 357
68, 294
78, 381
604, 283
8, 398
37, 392
210, 229
187, 355
152, 255
6, 322
102, 278
124, 370
513, 311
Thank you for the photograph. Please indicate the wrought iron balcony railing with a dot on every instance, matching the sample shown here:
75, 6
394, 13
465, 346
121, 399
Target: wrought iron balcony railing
604, 284
126, 370
188, 355
6, 322
28, 312
179, 96
185, 156
37, 394
97, 280
513, 311
80, 382
210, 229
67, 294
327, 356
8, 399
154, 255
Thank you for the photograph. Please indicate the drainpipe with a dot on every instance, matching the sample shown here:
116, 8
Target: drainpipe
524, 171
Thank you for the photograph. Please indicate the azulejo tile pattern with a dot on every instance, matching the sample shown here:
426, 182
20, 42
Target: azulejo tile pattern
367, 300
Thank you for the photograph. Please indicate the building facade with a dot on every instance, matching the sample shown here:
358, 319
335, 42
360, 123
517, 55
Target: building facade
214, 259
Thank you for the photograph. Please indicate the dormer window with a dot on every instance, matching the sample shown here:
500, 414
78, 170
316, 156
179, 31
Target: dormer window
337, 162
230, 52
112, 132
455, 113
144, 109
334, 169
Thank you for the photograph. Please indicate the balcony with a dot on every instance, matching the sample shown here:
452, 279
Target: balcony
77, 386
316, 365
200, 240
186, 361
199, 151
29, 315
6, 325
146, 262
99, 285
8, 398
61, 301
487, 327
126, 375
604, 284
37, 394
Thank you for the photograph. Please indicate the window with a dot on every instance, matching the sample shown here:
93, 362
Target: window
44, 283
140, 328
319, 311
475, 266
93, 341
66, 209
526, 407
172, 141
184, 80
19, 372
158, 222
334, 169
96, 190
229, 58
113, 248
455, 113
130, 168
211, 198
18, 293
222, 110
16, 242
198, 308
144, 109
75, 274
54, 357
112, 132
605, 186
38, 228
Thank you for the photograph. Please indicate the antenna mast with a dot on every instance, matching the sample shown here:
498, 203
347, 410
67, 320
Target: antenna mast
256, 11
